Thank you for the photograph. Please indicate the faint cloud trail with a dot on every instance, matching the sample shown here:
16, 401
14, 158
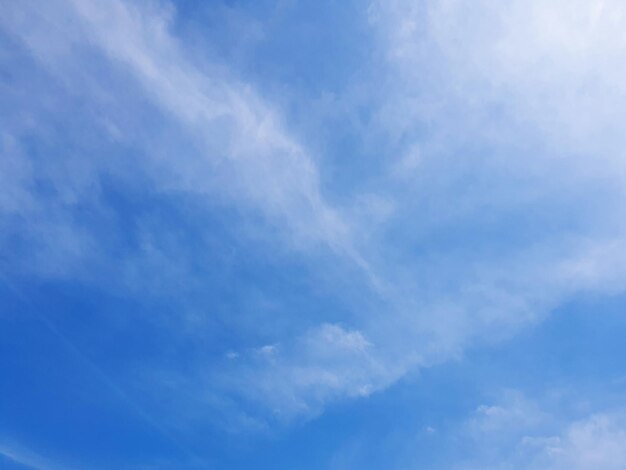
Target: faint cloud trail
26, 459
95, 370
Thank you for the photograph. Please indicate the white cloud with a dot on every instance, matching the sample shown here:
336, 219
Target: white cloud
516, 109
300, 376
514, 412
596, 442
519, 433
554, 68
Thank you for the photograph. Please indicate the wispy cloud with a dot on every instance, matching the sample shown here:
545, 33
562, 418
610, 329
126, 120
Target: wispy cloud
242, 152
27, 458
242, 138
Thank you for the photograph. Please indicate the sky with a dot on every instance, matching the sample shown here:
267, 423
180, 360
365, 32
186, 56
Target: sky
280, 234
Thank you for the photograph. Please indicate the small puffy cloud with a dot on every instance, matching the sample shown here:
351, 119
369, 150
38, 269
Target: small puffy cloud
298, 377
598, 441
519, 432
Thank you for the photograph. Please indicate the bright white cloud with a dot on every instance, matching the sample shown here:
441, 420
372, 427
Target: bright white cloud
553, 67
516, 109
517, 432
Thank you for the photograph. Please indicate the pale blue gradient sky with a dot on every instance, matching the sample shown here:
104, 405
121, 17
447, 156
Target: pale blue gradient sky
285, 234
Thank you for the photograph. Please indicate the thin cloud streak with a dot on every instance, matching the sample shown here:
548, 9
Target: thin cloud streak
27, 458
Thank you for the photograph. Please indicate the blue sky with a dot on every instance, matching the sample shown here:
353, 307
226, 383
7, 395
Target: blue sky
312, 235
